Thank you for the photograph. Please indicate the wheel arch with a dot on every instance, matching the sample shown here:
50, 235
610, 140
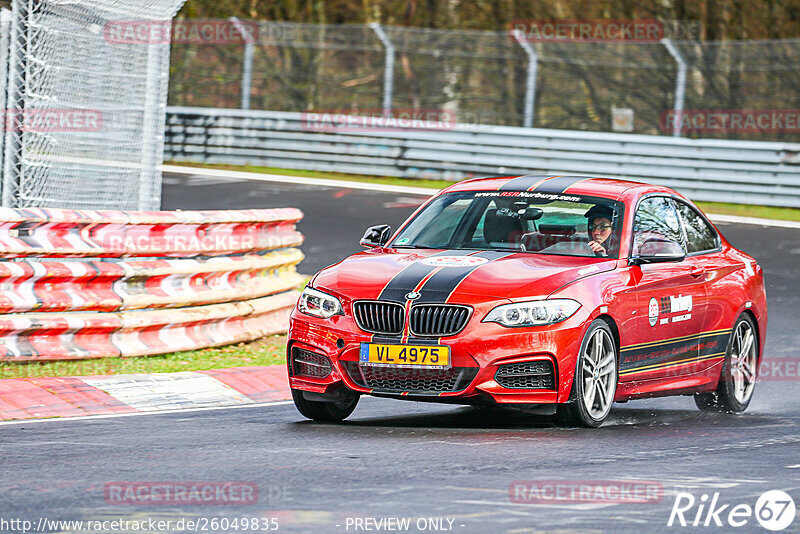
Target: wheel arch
612, 324
753, 317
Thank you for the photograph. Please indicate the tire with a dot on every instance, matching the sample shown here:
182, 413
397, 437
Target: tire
737, 378
595, 376
329, 412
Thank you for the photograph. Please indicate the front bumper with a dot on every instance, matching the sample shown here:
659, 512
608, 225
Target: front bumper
477, 353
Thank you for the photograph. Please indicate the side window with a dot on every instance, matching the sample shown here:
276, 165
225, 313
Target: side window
699, 235
655, 218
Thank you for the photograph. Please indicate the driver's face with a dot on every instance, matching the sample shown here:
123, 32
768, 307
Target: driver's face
600, 229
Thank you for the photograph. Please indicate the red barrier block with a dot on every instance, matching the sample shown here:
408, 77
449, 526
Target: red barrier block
262, 384
75, 285
42, 336
61, 233
214, 277
88, 399
21, 399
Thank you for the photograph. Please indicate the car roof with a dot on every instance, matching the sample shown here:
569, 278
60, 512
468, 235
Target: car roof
547, 183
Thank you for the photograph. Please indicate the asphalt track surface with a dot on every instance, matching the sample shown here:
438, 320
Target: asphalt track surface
394, 459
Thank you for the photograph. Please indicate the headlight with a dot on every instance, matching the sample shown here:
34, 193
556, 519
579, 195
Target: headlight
532, 312
319, 304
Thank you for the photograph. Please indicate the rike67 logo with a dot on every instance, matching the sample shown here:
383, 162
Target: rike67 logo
774, 510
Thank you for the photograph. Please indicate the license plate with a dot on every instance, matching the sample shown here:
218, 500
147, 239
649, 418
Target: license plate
427, 356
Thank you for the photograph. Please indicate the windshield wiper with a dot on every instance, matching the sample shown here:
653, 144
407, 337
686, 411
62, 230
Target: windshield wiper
417, 246
505, 249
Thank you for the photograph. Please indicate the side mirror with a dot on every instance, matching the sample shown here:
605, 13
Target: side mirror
376, 236
659, 250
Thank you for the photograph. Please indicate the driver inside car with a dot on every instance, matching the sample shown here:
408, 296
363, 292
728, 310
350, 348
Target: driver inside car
599, 229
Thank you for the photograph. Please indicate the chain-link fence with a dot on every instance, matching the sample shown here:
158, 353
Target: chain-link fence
492, 78
83, 113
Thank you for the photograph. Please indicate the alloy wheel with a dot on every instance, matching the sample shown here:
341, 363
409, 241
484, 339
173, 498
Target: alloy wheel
598, 374
743, 362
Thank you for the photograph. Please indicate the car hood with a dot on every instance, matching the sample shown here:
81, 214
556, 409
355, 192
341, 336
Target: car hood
441, 276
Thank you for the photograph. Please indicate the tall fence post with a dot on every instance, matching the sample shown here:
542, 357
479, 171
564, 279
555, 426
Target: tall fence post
15, 102
530, 83
388, 68
680, 86
5, 39
153, 120
247, 63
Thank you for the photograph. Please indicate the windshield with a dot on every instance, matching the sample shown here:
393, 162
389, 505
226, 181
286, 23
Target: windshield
522, 221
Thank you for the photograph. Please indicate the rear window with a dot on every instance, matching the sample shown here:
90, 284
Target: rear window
700, 236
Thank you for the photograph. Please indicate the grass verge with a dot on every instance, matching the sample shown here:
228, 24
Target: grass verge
266, 351
743, 210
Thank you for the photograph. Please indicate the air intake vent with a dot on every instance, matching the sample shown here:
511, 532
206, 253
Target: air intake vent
379, 317
526, 375
421, 381
307, 363
438, 319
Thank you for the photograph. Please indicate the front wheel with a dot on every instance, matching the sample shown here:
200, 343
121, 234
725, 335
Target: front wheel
595, 382
738, 376
326, 411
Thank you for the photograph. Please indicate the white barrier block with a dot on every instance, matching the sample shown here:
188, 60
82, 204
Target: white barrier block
168, 391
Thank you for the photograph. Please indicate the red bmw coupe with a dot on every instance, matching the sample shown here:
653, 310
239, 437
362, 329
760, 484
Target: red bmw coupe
554, 294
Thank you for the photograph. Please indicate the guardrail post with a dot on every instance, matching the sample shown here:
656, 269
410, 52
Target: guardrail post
530, 84
680, 86
247, 64
388, 68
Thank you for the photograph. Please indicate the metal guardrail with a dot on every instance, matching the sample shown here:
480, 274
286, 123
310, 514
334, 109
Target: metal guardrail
742, 172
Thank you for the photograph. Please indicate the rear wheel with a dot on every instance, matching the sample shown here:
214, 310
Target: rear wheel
595, 382
738, 376
327, 411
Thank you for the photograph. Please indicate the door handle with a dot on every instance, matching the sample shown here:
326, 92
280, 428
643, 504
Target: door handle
697, 271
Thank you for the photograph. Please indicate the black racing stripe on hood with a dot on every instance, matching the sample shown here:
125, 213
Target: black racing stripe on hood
439, 287
407, 279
